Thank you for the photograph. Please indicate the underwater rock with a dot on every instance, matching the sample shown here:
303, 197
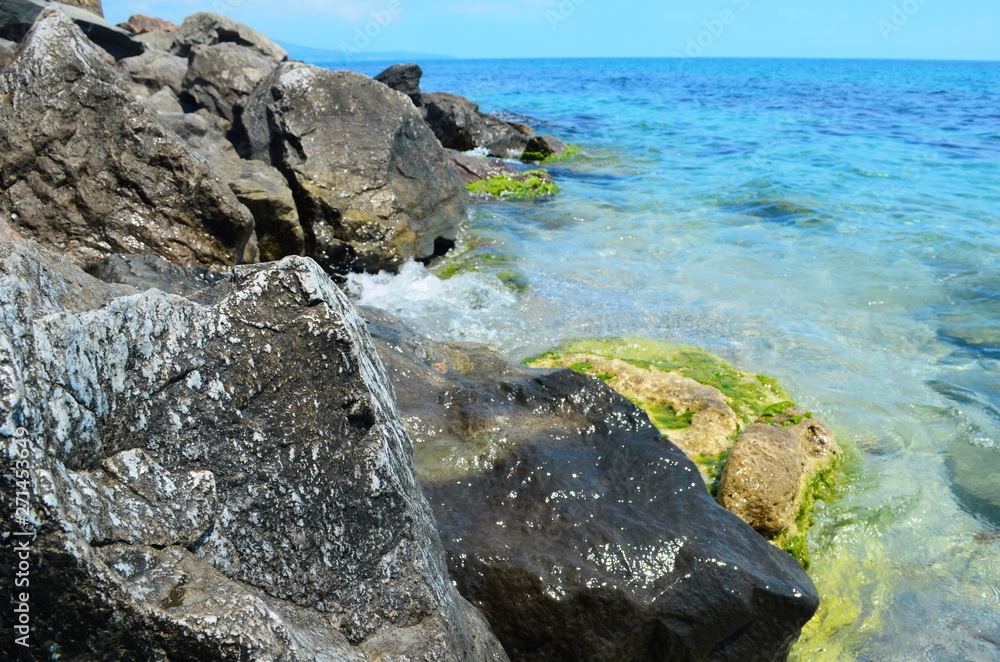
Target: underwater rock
217, 478
974, 477
207, 29
578, 530
372, 186
86, 167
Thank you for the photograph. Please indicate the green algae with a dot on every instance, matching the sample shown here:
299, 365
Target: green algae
749, 394
538, 157
536, 184
481, 255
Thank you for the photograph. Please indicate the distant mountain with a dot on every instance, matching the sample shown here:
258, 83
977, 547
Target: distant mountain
326, 56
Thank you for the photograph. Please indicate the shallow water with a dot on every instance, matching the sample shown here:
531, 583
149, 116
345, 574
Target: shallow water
835, 224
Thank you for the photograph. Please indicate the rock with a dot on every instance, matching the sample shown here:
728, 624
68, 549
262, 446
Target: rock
7, 233
165, 101
7, 49
144, 272
142, 24
17, 17
765, 478
159, 40
146, 74
578, 530
202, 131
224, 478
372, 185
263, 190
221, 74
205, 29
544, 147
459, 125
86, 167
476, 169
403, 78
93, 6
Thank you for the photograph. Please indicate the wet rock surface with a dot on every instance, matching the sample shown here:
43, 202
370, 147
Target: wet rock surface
577, 529
88, 168
223, 477
372, 186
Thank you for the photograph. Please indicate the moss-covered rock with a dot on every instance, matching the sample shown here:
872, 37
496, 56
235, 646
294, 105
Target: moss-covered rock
534, 184
543, 157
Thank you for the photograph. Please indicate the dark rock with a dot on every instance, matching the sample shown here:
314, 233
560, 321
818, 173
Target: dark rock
477, 169
142, 24
146, 74
17, 17
372, 185
768, 466
459, 125
545, 146
221, 74
579, 531
223, 478
144, 272
205, 29
202, 131
973, 479
263, 190
86, 167
403, 78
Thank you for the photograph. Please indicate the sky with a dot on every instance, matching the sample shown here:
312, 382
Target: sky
891, 29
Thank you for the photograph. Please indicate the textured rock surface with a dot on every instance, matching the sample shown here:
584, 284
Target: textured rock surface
205, 29
86, 167
403, 78
17, 17
764, 479
223, 478
202, 131
459, 125
476, 169
7, 49
142, 24
145, 272
372, 186
545, 146
147, 73
221, 74
579, 531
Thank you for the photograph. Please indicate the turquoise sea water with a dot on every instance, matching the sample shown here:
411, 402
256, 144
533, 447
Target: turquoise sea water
835, 224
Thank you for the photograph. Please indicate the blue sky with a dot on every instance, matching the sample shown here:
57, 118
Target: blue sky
924, 29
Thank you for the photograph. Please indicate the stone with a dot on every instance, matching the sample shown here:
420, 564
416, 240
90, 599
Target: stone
93, 6
765, 478
144, 272
222, 74
142, 24
217, 478
403, 78
7, 233
544, 147
202, 131
87, 168
158, 40
17, 17
372, 185
165, 101
578, 530
459, 125
263, 190
206, 29
146, 74
477, 169
7, 49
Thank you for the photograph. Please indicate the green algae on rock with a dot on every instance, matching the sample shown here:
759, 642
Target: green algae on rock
540, 157
535, 184
764, 458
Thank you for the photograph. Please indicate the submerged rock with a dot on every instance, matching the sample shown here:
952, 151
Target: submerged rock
217, 478
86, 167
579, 530
372, 186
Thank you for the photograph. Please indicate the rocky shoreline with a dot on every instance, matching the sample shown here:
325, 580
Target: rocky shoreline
224, 459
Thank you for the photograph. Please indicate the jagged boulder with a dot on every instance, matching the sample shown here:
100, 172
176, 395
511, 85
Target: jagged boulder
403, 78
578, 530
144, 272
17, 17
86, 167
142, 24
219, 75
218, 478
146, 74
206, 29
372, 185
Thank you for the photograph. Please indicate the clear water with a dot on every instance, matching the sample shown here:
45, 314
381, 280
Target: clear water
835, 224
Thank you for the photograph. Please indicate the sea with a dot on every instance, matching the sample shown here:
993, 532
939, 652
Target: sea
832, 223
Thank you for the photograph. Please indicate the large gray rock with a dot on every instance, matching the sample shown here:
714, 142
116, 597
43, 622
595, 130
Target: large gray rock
146, 74
206, 29
459, 125
579, 530
7, 49
219, 75
17, 17
372, 185
223, 478
202, 131
86, 167
403, 78
144, 272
